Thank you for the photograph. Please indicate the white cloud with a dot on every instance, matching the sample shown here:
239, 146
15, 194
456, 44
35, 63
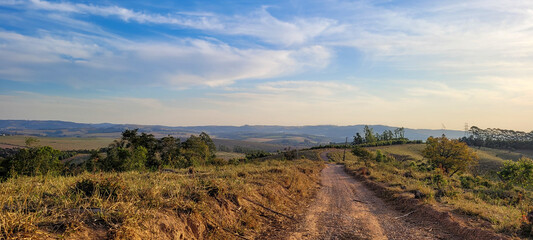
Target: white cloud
443, 36
90, 60
196, 21
263, 25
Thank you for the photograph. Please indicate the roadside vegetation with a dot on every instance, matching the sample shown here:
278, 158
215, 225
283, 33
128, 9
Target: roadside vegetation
443, 171
141, 187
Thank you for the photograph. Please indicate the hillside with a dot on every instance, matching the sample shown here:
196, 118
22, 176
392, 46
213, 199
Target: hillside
281, 135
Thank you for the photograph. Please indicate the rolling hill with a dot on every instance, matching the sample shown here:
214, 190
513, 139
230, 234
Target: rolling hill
280, 135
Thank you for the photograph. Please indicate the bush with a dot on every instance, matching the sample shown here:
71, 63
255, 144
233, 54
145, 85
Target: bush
362, 153
468, 182
256, 154
519, 172
380, 157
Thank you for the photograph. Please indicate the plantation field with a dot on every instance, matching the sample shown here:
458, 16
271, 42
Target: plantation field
62, 144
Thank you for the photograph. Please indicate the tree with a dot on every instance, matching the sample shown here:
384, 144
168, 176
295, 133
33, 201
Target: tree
357, 139
196, 151
399, 133
169, 148
387, 135
33, 162
451, 156
210, 144
30, 141
136, 161
369, 135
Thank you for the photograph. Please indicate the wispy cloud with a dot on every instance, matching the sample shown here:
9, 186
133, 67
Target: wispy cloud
183, 62
260, 23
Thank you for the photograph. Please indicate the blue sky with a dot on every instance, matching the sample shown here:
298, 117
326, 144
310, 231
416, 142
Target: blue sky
416, 64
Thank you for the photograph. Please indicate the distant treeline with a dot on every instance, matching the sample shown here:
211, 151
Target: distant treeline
499, 138
372, 139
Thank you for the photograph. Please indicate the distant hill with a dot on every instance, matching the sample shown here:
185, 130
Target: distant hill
279, 135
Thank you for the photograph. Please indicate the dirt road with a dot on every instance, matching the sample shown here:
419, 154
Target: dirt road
346, 209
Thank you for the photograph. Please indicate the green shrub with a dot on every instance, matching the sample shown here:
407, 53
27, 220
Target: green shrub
361, 153
468, 182
519, 172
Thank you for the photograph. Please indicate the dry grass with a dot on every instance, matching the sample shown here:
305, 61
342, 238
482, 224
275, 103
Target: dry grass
214, 202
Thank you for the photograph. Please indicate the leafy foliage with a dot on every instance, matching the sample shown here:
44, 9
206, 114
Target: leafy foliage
451, 156
32, 162
257, 154
362, 153
133, 151
519, 172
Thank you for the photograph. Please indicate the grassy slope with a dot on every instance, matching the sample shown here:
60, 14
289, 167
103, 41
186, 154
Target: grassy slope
214, 203
489, 159
504, 217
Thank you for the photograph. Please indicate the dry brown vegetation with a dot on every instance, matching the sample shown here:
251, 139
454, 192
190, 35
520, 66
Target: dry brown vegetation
215, 202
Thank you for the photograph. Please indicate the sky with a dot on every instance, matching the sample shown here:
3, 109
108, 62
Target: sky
417, 64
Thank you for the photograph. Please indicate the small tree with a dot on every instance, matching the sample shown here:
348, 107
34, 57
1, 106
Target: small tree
357, 139
369, 135
519, 172
30, 141
451, 156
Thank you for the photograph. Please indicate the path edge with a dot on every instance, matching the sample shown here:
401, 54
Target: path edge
425, 211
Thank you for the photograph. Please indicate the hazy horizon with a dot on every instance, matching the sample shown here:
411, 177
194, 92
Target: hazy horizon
415, 64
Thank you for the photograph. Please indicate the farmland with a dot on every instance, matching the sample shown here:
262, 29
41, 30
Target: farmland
63, 144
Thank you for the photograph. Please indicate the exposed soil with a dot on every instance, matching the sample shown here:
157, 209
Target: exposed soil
345, 208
